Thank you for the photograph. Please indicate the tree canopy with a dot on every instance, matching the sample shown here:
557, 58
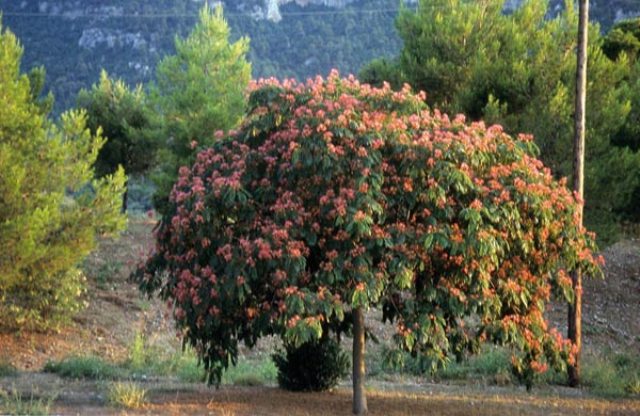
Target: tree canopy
335, 197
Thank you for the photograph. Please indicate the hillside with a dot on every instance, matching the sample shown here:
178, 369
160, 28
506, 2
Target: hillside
75, 39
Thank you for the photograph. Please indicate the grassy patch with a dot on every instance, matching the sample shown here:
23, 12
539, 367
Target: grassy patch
251, 372
126, 394
492, 365
612, 375
148, 359
15, 403
187, 368
605, 374
88, 367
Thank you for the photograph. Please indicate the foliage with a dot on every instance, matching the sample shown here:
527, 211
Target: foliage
84, 367
335, 195
199, 90
518, 70
127, 394
623, 43
120, 114
624, 37
140, 192
316, 365
51, 207
146, 358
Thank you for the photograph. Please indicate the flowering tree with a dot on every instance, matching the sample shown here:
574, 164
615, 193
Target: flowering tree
335, 197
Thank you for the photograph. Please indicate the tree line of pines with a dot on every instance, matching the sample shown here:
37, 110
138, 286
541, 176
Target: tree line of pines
291, 209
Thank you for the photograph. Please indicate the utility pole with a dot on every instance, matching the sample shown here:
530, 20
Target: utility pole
574, 328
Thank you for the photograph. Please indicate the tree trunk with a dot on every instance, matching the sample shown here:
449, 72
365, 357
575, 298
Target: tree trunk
125, 197
574, 327
359, 398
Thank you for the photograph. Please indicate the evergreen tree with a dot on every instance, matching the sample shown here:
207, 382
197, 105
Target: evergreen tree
51, 207
199, 90
623, 37
623, 43
125, 122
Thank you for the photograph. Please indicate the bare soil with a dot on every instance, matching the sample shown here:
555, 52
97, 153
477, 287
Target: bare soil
116, 312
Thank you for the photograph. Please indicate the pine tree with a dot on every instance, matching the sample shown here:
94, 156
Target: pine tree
51, 207
124, 119
199, 90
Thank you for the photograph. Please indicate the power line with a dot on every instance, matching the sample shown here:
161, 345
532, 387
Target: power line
70, 15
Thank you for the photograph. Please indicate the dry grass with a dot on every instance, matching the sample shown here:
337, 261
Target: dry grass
127, 394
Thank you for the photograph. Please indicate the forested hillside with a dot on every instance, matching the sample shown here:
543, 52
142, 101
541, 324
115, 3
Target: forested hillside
75, 39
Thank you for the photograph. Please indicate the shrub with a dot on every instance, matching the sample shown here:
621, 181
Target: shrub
84, 367
313, 366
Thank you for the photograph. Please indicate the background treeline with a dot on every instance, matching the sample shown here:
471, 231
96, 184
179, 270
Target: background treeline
123, 39
307, 41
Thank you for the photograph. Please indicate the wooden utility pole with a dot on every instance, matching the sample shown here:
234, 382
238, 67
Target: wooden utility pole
359, 394
574, 328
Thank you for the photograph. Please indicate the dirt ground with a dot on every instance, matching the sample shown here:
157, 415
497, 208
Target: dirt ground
167, 398
116, 312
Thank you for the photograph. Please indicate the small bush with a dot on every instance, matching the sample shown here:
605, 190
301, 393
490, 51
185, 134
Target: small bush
129, 395
314, 366
84, 367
